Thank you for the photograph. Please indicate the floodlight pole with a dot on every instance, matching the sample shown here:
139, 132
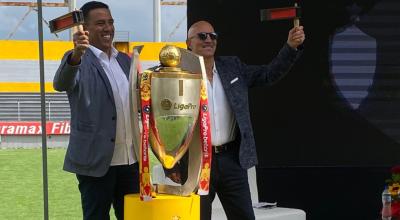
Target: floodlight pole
157, 16
71, 7
43, 114
157, 21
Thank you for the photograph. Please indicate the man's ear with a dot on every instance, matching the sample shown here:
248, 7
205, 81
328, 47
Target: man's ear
188, 44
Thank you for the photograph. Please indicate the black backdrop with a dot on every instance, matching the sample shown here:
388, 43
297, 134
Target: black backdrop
315, 150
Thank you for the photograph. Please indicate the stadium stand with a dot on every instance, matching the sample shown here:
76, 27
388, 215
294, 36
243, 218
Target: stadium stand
19, 73
20, 89
26, 106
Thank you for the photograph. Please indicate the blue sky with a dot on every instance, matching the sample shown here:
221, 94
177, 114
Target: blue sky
134, 16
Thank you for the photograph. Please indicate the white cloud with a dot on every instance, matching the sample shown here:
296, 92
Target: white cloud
8, 19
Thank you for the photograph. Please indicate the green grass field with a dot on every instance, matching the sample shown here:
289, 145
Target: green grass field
21, 191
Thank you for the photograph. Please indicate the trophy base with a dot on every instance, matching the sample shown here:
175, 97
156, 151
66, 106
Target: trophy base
163, 207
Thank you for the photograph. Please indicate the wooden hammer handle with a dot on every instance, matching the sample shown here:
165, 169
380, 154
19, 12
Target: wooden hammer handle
80, 27
296, 22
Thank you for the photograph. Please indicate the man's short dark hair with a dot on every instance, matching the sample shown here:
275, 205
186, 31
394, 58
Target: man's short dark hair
87, 7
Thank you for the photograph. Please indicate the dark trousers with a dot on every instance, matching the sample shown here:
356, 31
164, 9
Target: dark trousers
98, 193
229, 181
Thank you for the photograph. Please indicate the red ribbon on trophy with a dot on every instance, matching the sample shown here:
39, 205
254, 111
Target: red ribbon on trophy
144, 172
205, 136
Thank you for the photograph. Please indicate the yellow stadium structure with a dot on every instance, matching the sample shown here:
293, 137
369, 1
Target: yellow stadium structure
18, 56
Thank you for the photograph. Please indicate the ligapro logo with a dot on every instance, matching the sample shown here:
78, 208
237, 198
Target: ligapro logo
166, 104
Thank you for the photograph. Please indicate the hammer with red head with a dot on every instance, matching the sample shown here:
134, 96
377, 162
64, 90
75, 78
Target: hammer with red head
296, 35
70, 20
282, 14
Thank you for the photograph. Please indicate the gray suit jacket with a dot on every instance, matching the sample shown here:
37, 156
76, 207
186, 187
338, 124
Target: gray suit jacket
93, 113
237, 78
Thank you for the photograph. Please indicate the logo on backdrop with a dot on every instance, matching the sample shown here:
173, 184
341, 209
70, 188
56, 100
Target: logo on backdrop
34, 128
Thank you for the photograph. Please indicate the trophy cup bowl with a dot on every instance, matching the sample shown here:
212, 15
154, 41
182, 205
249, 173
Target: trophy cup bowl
175, 108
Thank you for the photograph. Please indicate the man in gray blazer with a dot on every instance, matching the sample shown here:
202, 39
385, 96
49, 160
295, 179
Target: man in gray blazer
234, 149
100, 151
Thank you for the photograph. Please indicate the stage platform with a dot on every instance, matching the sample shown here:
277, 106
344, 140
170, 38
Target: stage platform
275, 213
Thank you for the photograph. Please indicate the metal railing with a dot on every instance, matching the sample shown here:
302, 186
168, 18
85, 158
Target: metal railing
27, 107
30, 110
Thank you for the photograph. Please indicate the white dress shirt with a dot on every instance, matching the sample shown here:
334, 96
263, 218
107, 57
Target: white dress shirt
123, 151
222, 118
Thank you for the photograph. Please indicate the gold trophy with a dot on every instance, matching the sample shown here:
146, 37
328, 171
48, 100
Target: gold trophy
171, 101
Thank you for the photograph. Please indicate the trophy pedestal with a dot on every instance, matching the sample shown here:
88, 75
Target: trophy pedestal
163, 207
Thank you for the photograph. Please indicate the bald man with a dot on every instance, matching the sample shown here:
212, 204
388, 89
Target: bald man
234, 149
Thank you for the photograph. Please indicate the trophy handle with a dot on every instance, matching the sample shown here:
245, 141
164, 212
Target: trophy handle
194, 167
134, 99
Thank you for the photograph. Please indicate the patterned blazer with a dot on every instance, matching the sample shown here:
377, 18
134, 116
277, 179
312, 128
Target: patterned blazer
237, 78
